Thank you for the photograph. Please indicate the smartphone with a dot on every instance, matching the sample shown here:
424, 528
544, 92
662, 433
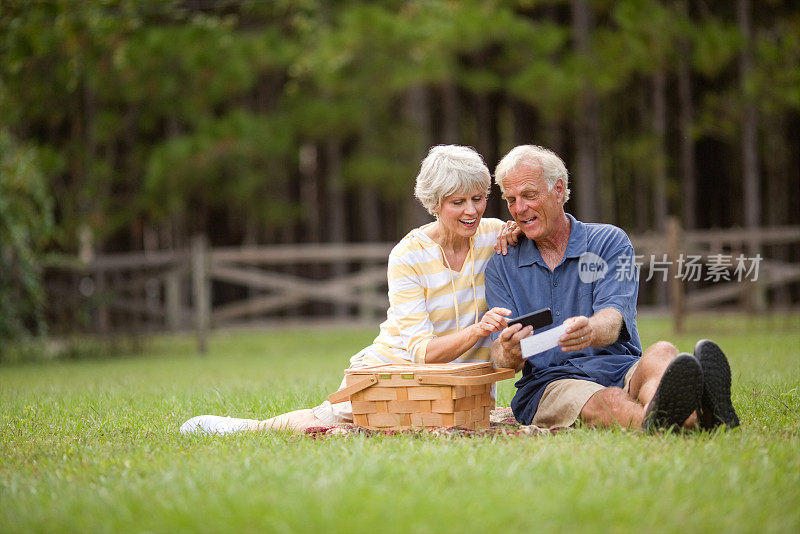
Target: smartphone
537, 319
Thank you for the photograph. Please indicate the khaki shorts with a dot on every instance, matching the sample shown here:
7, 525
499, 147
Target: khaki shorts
563, 400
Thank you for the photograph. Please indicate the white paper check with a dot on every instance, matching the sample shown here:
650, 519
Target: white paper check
536, 343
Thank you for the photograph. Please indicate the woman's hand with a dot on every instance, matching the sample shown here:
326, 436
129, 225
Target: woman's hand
493, 320
446, 348
509, 235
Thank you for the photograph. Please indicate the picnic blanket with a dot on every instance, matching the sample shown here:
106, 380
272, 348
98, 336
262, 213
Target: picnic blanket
502, 422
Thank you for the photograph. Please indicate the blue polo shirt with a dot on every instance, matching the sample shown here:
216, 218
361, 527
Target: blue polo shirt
596, 273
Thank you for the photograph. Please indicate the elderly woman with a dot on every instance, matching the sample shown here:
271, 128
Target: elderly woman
437, 310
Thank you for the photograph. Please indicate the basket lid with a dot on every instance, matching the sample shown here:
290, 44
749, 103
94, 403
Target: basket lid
419, 368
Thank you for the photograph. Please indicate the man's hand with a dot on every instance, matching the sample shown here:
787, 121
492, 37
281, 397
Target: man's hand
599, 330
578, 336
506, 351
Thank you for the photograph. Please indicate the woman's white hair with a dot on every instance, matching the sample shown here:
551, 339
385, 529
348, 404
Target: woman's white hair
449, 169
535, 157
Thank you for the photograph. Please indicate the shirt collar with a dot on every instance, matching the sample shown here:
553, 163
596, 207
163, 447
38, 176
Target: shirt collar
578, 241
576, 246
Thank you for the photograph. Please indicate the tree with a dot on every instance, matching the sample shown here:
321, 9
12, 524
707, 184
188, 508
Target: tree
751, 176
26, 228
587, 120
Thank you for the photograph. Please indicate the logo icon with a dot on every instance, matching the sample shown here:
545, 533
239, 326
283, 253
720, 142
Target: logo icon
591, 268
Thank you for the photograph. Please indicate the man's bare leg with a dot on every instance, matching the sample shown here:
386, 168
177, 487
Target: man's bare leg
614, 407
652, 365
645, 379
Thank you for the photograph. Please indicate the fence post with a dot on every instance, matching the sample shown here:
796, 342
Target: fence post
366, 313
201, 291
674, 239
755, 297
172, 296
102, 318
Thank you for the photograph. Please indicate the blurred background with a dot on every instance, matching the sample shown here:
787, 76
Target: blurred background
173, 165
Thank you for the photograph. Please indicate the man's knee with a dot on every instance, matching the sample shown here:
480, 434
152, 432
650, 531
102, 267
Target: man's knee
609, 407
662, 350
652, 365
656, 359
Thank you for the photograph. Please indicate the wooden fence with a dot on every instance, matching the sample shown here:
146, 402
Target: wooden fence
201, 288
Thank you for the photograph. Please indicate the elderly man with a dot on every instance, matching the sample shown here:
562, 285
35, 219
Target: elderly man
598, 372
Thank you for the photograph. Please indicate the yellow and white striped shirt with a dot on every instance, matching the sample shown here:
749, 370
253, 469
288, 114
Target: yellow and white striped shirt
427, 299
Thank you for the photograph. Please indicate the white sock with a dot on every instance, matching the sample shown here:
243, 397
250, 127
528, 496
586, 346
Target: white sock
214, 424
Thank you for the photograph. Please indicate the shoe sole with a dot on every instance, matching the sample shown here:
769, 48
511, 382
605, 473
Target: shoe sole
214, 425
677, 396
716, 407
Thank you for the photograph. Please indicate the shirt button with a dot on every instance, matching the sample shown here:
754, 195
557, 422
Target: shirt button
555, 284
558, 313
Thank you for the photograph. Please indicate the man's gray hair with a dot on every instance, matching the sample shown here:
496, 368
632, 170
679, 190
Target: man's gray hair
450, 169
534, 157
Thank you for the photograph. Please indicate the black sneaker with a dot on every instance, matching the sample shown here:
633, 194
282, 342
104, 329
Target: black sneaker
716, 407
677, 396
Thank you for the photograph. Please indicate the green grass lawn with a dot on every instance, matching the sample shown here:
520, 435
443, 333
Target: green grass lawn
94, 446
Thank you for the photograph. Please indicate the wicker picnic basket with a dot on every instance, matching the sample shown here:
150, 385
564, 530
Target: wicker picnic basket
394, 397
